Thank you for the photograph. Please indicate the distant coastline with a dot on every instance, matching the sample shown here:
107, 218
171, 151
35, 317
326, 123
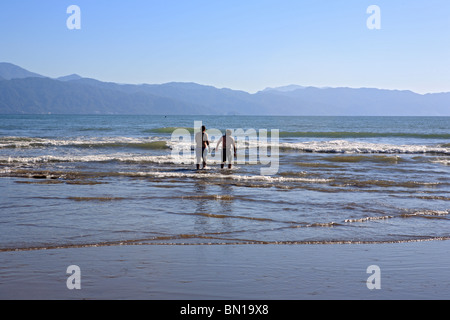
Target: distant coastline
25, 92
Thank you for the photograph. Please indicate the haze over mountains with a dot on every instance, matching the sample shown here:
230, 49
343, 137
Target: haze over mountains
25, 92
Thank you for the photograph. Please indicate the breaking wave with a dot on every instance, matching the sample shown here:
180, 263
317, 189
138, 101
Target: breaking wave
168, 130
161, 143
343, 146
341, 135
93, 143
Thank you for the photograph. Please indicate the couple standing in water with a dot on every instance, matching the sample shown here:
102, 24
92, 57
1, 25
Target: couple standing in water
202, 145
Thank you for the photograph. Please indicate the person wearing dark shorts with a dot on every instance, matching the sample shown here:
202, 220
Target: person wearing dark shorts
201, 147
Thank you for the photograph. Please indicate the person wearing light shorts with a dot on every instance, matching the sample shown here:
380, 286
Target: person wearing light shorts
228, 145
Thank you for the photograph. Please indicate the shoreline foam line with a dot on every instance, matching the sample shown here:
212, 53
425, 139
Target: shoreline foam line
243, 242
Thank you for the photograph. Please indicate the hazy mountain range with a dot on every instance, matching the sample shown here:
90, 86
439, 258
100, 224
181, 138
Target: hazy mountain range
25, 92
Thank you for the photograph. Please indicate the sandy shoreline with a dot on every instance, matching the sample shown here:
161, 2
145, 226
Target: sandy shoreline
418, 270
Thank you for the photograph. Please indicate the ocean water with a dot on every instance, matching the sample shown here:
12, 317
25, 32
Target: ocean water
81, 181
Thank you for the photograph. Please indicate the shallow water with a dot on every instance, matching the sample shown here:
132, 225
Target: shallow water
77, 181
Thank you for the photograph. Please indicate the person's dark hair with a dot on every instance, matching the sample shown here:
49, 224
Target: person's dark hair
203, 128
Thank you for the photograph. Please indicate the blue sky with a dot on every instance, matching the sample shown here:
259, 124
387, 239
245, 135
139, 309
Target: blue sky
247, 44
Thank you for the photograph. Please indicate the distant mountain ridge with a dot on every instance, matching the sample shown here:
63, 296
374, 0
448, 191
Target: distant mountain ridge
288, 88
10, 71
25, 92
70, 77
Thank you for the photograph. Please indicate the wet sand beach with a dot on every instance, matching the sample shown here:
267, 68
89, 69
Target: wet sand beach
415, 270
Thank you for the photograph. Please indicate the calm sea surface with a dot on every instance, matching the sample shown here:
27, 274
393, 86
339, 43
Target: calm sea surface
69, 181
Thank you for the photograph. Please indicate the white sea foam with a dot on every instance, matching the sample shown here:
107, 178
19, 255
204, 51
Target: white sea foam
195, 175
120, 157
368, 219
24, 142
343, 146
333, 146
445, 162
5, 170
124, 157
429, 213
